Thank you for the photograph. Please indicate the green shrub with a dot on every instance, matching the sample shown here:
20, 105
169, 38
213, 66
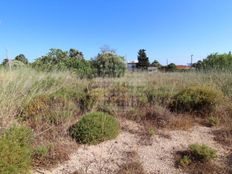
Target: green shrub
15, 150
200, 100
185, 160
202, 152
109, 64
94, 128
80, 66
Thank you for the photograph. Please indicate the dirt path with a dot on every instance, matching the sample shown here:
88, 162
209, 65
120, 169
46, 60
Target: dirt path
156, 155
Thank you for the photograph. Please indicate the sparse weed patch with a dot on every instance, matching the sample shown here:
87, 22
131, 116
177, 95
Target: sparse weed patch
185, 161
198, 159
202, 152
40, 151
223, 136
132, 168
49, 109
213, 121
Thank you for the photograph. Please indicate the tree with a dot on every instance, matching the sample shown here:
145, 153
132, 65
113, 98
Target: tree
109, 65
143, 60
76, 54
21, 58
5, 61
51, 60
197, 65
80, 66
44, 63
57, 54
216, 62
171, 67
156, 63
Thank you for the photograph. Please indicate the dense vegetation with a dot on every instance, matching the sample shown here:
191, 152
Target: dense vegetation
16, 150
197, 99
220, 62
46, 97
106, 64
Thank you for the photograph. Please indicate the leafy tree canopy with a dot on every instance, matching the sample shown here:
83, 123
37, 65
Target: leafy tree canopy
21, 58
75, 53
109, 65
156, 63
216, 61
143, 60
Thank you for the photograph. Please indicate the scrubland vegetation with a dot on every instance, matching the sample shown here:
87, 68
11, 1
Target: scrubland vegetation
45, 116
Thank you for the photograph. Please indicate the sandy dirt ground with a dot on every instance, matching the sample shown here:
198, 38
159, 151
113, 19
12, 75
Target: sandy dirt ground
156, 154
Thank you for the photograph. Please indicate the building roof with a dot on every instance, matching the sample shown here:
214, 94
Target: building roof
183, 67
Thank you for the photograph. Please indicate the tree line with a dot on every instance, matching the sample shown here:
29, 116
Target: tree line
107, 63
220, 62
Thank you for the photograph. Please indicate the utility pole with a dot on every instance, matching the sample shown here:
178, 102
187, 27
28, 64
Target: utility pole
192, 60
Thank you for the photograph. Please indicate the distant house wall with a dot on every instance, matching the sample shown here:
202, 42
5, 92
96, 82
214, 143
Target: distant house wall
132, 66
152, 69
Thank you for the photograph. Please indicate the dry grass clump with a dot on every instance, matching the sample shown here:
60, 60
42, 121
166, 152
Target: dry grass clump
47, 156
49, 109
156, 115
132, 165
131, 168
182, 122
223, 136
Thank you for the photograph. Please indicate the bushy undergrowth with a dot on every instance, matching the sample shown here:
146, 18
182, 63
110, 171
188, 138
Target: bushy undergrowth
202, 152
162, 95
90, 98
53, 100
200, 100
94, 128
196, 158
50, 109
16, 150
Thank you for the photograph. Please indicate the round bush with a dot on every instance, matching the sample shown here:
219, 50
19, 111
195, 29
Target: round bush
95, 128
197, 99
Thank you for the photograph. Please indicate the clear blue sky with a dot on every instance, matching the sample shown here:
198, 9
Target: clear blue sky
167, 29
